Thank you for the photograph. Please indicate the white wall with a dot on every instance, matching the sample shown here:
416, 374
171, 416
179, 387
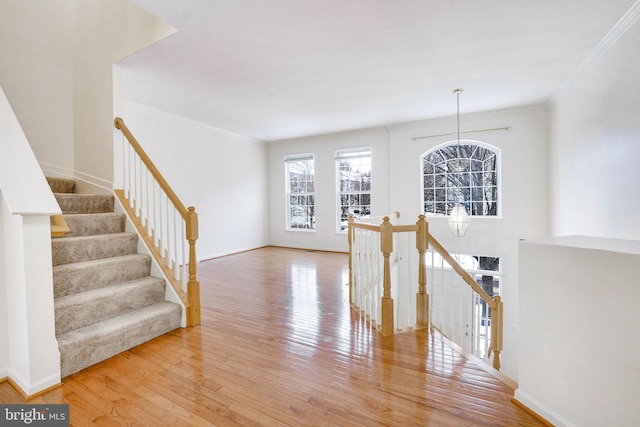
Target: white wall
56, 69
105, 32
596, 146
396, 187
324, 147
29, 354
4, 320
223, 175
36, 73
579, 337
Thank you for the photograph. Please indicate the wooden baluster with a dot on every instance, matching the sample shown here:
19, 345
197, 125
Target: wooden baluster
386, 247
422, 298
193, 287
496, 331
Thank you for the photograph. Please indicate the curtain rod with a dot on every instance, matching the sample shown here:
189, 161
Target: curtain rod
506, 128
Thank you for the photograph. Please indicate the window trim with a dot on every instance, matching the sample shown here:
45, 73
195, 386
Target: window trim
288, 159
349, 154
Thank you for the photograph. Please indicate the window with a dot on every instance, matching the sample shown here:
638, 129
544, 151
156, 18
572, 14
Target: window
300, 192
353, 181
468, 175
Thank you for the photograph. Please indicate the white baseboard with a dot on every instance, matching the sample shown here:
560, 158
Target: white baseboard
56, 171
233, 252
28, 388
85, 183
541, 409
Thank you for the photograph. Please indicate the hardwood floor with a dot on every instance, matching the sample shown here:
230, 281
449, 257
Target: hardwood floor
279, 345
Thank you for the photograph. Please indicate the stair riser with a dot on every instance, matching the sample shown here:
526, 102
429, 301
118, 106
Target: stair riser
80, 310
88, 346
91, 224
77, 249
80, 277
84, 203
62, 185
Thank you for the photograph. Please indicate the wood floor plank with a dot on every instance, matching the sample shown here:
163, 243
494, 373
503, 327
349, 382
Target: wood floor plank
280, 346
8, 394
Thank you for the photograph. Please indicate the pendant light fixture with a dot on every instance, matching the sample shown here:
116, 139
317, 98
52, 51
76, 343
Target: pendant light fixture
458, 218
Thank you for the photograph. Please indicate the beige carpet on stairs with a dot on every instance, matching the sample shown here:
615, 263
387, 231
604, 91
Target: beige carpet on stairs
105, 299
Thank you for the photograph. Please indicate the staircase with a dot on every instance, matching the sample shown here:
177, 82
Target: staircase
105, 299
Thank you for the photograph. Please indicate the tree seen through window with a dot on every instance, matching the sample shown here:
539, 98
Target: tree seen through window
300, 177
353, 169
467, 174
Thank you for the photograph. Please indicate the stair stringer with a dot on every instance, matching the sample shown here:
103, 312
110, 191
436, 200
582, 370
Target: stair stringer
170, 293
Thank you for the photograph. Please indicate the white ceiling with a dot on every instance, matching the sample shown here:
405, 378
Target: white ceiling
278, 69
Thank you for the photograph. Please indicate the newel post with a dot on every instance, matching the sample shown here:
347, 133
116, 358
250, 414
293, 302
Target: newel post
496, 331
193, 286
422, 298
386, 247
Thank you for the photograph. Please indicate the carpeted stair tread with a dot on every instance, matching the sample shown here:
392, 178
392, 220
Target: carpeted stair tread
106, 302
86, 346
86, 275
61, 185
84, 203
98, 223
67, 250
84, 308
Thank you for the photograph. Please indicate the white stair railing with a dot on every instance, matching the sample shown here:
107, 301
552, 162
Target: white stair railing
169, 229
457, 310
379, 274
388, 263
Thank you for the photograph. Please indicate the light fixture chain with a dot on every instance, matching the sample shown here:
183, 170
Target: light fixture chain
457, 91
458, 218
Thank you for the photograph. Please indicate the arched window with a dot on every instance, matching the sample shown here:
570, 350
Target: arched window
469, 175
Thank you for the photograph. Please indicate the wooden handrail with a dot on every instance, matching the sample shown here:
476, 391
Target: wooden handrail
461, 272
59, 227
191, 300
119, 124
394, 228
